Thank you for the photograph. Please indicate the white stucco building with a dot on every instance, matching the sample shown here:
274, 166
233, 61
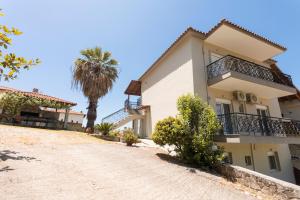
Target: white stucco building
232, 69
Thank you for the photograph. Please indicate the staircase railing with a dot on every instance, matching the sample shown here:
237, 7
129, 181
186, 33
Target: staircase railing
116, 116
122, 113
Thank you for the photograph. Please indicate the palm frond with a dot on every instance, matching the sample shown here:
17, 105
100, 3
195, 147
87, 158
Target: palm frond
94, 73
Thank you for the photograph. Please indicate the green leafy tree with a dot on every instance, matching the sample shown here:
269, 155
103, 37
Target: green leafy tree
191, 132
13, 102
10, 63
170, 131
94, 73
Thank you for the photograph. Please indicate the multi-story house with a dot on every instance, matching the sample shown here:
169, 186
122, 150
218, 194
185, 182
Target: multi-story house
232, 70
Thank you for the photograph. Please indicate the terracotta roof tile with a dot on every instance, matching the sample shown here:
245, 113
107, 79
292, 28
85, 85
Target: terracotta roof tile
38, 95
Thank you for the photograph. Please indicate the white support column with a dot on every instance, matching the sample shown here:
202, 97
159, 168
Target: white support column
135, 126
66, 118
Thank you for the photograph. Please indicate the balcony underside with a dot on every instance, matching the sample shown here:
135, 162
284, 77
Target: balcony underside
249, 139
241, 41
233, 81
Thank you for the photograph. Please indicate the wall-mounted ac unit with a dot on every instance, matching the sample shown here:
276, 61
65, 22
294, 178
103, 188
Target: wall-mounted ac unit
251, 98
240, 96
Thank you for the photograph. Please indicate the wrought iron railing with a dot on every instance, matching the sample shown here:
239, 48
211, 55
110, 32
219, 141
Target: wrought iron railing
129, 107
132, 104
116, 116
230, 63
256, 125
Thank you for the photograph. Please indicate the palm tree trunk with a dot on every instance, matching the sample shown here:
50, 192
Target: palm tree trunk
91, 114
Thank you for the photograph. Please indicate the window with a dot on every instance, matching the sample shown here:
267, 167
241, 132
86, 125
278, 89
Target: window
228, 157
272, 162
242, 108
248, 160
273, 159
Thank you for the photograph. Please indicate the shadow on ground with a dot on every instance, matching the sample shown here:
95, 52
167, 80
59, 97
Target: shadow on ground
6, 169
12, 155
190, 167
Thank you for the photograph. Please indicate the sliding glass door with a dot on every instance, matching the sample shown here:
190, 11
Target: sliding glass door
223, 112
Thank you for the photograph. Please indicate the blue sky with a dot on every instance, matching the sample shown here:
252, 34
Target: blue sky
136, 32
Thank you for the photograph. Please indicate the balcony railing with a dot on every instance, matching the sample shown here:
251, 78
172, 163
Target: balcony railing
132, 104
256, 125
230, 63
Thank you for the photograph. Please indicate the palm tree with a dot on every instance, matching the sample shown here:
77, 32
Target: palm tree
94, 73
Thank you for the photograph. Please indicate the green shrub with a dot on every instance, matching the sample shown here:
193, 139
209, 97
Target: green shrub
114, 133
169, 131
191, 132
104, 128
129, 137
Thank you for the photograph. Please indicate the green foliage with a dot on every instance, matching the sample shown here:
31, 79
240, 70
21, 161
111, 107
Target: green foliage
13, 102
10, 64
191, 132
129, 137
114, 133
94, 73
104, 128
170, 131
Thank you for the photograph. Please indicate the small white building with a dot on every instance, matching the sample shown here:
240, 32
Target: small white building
74, 116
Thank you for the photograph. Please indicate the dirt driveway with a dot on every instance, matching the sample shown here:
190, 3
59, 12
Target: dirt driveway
43, 164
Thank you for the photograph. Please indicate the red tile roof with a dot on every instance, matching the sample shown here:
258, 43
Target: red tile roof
38, 95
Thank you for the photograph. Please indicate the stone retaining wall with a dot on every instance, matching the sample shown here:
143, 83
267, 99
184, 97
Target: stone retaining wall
276, 188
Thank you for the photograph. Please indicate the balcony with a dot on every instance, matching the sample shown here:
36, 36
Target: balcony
245, 128
231, 73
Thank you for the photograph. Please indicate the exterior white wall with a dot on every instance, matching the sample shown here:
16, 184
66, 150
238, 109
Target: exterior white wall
171, 78
199, 58
291, 109
260, 158
271, 104
219, 50
75, 118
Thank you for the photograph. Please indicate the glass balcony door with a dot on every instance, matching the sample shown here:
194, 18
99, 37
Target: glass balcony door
263, 120
223, 110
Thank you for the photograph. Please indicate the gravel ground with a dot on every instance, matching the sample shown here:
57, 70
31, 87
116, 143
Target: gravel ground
44, 164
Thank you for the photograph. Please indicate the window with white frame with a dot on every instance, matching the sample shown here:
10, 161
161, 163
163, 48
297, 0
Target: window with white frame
273, 160
242, 108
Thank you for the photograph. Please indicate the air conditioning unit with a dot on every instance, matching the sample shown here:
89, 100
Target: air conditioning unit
240, 96
251, 98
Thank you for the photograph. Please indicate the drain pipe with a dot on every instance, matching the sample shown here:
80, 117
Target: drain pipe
252, 157
205, 73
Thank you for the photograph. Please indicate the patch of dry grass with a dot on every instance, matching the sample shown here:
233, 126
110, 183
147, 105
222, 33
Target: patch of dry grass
32, 136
